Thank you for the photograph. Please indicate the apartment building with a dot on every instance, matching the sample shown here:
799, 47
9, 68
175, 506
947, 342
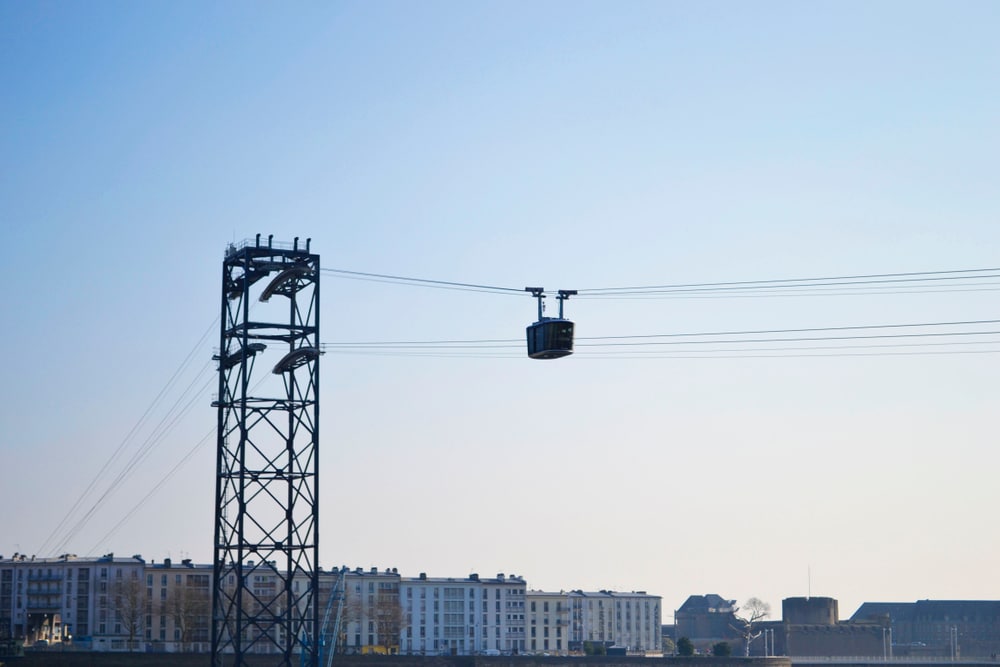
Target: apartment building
562, 623
372, 615
548, 623
86, 601
178, 607
626, 620
462, 616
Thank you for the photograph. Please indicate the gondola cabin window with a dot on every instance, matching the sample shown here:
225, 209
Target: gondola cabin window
550, 338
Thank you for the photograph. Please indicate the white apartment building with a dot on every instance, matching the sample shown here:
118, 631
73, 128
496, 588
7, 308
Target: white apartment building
387, 614
466, 616
628, 620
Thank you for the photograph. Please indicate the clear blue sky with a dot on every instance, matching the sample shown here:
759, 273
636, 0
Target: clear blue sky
563, 144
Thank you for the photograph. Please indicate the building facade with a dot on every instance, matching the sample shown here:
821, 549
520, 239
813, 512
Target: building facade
128, 604
178, 614
938, 628
86, 601
625, 620
467, 616
548, 624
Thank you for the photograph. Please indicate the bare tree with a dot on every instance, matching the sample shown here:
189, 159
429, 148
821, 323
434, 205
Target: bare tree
190, 607
130, 605
753, 610
353, 614
388, 617
381, 612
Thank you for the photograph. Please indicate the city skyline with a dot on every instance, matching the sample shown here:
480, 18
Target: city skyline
774, 612
571, 146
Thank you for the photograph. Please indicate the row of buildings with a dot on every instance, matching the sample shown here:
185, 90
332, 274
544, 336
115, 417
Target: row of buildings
113, 603
811, 627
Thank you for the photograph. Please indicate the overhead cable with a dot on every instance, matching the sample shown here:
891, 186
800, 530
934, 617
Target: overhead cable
424, 282
861, 279
116, 454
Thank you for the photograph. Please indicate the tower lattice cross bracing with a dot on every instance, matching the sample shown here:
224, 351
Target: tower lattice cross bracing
267, 474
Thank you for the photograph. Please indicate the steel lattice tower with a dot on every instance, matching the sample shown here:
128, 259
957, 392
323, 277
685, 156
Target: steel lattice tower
267, 475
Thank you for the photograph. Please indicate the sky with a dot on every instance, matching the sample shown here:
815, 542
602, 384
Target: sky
570, 145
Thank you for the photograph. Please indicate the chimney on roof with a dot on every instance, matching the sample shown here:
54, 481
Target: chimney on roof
423, 575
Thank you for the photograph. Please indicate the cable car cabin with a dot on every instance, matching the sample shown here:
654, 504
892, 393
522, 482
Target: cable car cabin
550, 338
